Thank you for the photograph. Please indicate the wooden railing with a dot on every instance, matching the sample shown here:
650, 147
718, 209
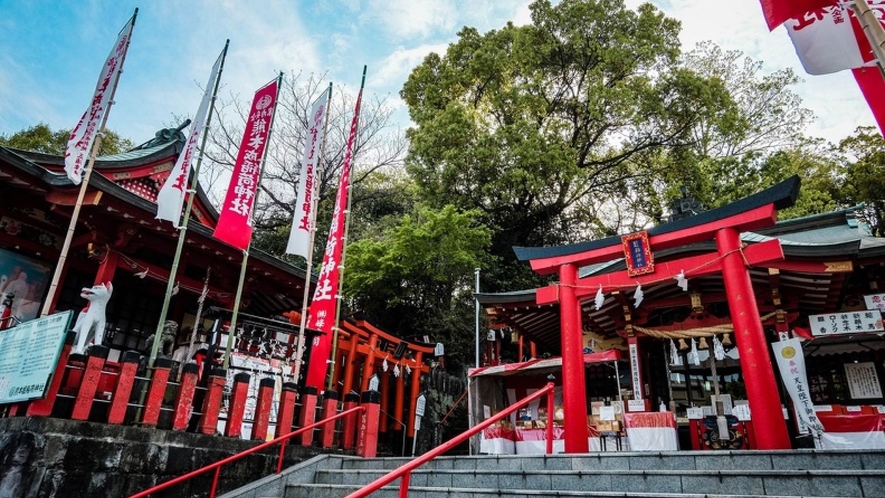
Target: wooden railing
217, 465
405, 471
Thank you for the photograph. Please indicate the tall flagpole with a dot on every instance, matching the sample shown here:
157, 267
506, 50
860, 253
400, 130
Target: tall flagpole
873, 30
75, 215
331, 379
182, 233
299, 352
232, 329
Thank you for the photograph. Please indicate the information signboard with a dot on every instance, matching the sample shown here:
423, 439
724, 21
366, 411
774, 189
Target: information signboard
28, 356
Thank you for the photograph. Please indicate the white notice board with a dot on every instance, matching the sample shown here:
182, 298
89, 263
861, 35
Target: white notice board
28, 356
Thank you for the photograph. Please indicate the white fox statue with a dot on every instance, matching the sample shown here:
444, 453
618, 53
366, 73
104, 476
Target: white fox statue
90, 323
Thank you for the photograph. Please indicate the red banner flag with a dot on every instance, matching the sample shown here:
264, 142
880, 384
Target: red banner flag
832, 39
872, 85
321, 315
235, 221
778, 11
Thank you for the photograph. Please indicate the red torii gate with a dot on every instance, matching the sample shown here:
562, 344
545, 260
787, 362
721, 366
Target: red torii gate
724, 225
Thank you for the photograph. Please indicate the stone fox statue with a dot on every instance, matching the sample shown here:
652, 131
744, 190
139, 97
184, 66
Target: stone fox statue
91, 321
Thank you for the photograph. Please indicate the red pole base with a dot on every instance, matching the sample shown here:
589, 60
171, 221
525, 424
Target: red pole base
89, 385
212, 402
154, 402
185, 400
330, 408
234, 426
262, 408
120, 399
286, 413
367, 439
308, 413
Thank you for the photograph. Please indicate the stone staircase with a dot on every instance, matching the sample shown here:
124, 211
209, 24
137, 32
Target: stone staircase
732, 474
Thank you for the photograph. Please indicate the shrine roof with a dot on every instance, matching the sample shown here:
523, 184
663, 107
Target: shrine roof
781, 196
167, 143
834, 234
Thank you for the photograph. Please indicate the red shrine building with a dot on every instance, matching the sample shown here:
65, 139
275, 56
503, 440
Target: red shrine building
675, 327
118, 239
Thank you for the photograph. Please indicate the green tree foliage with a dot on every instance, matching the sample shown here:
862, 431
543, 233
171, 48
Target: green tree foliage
863, 175
532, 124
416, 278
41, 138
729, 153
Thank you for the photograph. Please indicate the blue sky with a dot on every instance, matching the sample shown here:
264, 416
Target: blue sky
51, 52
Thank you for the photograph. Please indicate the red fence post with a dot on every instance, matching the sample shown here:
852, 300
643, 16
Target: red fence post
367, 438
86, 394
43, 407
348, 431
120, 399
308, 413
184, 402
237, 408
157, 390
212, 401
330, 408
286, 413
262, 408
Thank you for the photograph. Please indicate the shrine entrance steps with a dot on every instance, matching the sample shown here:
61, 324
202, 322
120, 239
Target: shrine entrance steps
682, 474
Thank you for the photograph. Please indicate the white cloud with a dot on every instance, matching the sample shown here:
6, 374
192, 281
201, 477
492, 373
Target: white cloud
407, 19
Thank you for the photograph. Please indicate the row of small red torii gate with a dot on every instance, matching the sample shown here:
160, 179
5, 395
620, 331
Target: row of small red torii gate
85, 377
731, 259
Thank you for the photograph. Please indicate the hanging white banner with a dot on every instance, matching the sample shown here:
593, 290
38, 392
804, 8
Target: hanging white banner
304, 218
791, 363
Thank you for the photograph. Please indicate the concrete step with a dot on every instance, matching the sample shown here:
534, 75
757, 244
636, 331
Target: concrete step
676, 460
844, 483
341, 490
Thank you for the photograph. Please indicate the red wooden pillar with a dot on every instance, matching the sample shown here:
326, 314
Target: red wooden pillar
330, 408
262, 408
286, 413
636, 379
237, 408
349, 426
574, 397
308, 413
120, 399
43, 407
91, 376
367, 438
416, 389
762, 393
184, 402
385, 399
154, 402
349, 365
107, 268
212, 402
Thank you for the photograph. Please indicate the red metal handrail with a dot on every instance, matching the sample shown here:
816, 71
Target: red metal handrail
406, 470
217, 465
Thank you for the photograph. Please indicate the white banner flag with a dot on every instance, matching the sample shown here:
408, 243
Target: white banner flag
831, 39
170, 199
791, 363
304, 218
83, 135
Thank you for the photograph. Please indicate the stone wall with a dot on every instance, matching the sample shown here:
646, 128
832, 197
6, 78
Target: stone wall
57, 458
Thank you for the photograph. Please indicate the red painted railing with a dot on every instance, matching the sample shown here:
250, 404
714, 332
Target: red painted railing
217, 465
405, 471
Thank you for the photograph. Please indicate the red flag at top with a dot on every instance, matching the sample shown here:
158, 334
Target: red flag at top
778, 11
321, 315
235, 220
